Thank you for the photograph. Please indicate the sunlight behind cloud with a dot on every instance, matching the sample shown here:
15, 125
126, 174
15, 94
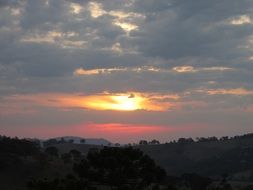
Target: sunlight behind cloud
190, 69
81, 71
235, 91
122, 102
75, 8
96, 9
184, 69
125, 25
58, 38
243, 19
124, 20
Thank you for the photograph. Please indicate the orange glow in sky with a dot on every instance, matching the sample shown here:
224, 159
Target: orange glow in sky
104, 101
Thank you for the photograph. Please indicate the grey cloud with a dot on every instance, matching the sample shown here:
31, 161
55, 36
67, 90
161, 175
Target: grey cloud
194, 29
4, 3
174, 33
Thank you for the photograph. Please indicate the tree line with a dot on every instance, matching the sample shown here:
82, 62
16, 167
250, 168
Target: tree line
198, 140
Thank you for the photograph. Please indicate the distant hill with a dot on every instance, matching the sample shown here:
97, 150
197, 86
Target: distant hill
77, 140
83, 148
91, 141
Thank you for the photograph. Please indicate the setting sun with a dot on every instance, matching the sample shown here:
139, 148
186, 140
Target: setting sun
120, 102
126, 103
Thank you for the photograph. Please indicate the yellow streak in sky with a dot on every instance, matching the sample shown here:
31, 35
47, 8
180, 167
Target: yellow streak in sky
115, 102
104, 101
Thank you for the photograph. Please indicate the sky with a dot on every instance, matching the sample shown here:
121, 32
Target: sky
126, 70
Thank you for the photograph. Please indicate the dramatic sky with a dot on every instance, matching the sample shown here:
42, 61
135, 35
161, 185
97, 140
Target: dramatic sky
126, 69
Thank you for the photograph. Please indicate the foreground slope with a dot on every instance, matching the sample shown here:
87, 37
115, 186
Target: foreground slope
210, 158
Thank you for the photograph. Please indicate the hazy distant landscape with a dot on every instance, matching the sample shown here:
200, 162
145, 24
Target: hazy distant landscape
74, 163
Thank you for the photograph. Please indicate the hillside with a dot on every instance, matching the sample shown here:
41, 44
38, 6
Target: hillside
232, 156
83, 148
213, 158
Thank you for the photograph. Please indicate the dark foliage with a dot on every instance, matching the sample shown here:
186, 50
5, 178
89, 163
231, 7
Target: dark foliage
21, 147
117, 168
231, 161
13, 149
68, 183
53, 151
195, 181
154, 141
120, 166
143, 142
249, 187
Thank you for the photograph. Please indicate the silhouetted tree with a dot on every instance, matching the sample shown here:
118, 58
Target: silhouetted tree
195, 181
50, 142
185, 140
224, 185
75, 154
248, 187
119, 167
143, 142
154, 141
66, 157
117, 144
68, 183
21, 147
201, 139
170, 187
14, 150
225, 138
213, 139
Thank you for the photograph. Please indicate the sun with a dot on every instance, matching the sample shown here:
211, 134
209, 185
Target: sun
125, 103
130, 101
117, 102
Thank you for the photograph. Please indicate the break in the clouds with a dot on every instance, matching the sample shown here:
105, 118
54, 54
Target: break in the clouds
166, 63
